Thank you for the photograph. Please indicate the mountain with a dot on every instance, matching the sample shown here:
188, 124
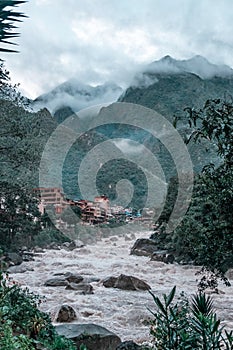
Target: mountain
169, 86
73, 96
197, 65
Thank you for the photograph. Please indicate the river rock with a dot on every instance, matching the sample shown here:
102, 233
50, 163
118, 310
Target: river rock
66, 314
110, 282
56, 282
19, 268
13, 258
83, 287
73, 245
27, 256
38, 249
163, 256
87, 313
73, 278
143, 247
93, 336
69, 277
126, 283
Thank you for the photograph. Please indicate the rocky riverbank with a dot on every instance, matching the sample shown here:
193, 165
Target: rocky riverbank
113, 302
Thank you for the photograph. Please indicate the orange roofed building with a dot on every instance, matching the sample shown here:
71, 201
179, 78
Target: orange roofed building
92, 212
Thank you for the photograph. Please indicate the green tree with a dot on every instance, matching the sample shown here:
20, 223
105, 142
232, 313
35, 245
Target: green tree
20, 218
206, 232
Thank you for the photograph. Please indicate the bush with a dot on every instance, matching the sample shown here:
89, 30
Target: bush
22, 324
188, 325
204, 237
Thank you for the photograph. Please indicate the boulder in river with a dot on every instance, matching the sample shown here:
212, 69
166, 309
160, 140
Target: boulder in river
163, 256
63, 279
73, 278
126, 283
143, 247
73, 245
13, 259
38, 249
82, 287
66, 314
19, 268
93, 336
56, 282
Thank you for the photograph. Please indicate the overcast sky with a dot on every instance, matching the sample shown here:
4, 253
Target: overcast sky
108, 40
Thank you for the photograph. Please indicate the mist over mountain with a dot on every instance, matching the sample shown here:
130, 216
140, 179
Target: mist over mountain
186, 83
169, 86
197, 65
77, 96
167, 65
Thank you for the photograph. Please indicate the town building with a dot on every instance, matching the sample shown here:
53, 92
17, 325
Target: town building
92, 212
51, 196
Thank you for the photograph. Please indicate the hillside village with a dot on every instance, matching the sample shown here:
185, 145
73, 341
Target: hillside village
99, 211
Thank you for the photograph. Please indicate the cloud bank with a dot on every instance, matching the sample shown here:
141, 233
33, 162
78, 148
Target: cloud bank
100, 40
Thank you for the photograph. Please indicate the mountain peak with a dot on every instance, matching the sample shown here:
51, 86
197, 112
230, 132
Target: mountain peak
197, 65
78, 95
167, 59
199, 58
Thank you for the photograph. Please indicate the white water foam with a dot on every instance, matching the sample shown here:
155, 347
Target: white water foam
123, 312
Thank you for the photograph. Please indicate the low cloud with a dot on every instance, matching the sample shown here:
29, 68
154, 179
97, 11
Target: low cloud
97, 41
197, 65
129, 146
78, 96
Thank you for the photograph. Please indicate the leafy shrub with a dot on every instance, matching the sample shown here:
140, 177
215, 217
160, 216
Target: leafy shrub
204, 237
22, 324
184, 325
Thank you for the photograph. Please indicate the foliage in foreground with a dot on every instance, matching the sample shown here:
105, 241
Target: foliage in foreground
205, 235
7, 23
185, 325
211, 210
22, 325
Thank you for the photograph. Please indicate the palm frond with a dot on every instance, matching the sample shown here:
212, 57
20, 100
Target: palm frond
202, 304
8, 18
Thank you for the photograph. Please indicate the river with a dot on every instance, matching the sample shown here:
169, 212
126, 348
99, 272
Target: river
123, 312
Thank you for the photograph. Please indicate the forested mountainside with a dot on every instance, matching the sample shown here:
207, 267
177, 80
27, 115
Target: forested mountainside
23, 137
167, 86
